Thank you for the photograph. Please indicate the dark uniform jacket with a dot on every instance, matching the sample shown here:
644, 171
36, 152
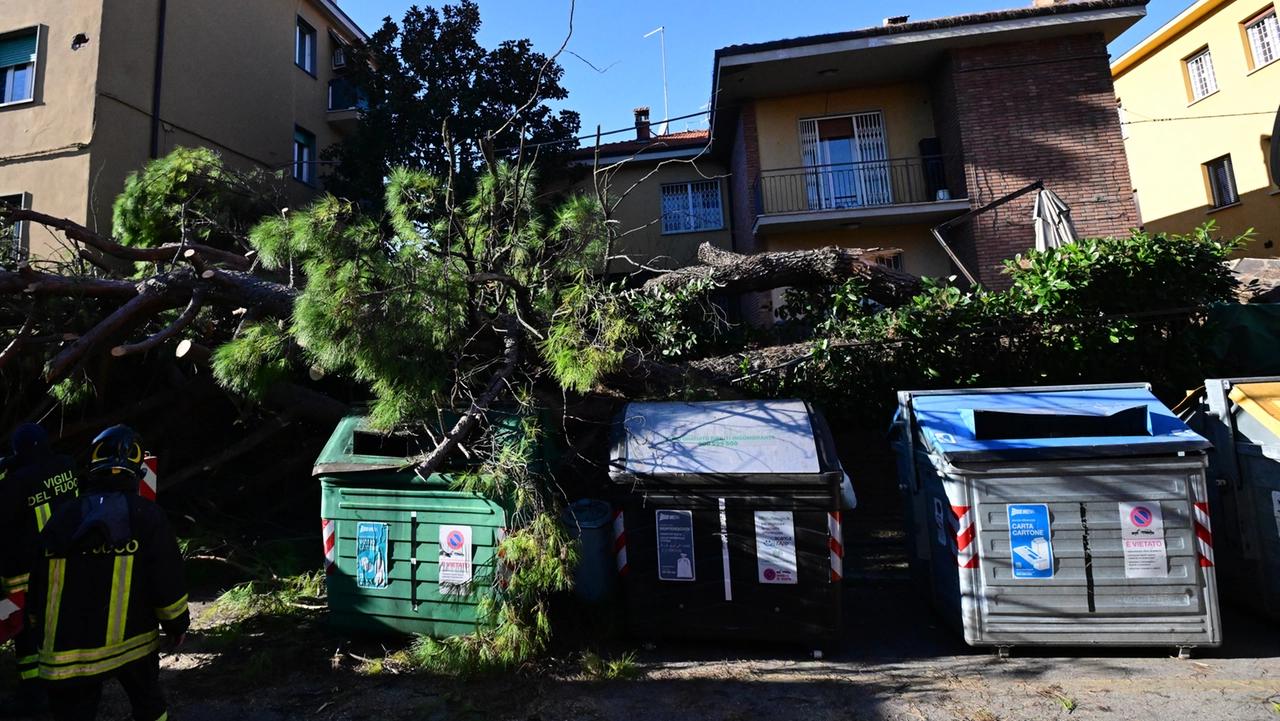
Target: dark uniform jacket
112, 572
29, 494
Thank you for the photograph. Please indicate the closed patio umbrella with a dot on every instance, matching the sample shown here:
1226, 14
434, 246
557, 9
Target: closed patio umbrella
1053, 221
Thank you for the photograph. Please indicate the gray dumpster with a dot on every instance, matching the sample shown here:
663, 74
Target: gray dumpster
1058, 516
1240, 416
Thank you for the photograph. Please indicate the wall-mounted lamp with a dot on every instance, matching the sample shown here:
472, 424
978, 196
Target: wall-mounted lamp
79, 41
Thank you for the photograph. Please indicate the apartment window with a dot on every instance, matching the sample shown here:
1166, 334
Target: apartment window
691, 207
1264, 38
343, 95
13, 238
304, 156
894, 261
306, 47
17, 66
1200, 73
1222, 182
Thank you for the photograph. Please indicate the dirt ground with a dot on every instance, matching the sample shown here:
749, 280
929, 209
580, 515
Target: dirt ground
897, 660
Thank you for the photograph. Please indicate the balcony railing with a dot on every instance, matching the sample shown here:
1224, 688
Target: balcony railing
869, 184
345, 96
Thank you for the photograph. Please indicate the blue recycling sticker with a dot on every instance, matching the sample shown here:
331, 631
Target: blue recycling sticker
1029, 540
371, 555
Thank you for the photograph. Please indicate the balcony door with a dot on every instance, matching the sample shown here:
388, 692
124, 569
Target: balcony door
850, 161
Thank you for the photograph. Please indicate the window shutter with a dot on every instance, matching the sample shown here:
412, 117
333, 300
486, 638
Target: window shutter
18, 51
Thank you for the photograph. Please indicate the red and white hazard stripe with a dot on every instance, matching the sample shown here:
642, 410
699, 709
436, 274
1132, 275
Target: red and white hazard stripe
962, 545
147, 485
1204, 538
620, 542
330, 535
837, 545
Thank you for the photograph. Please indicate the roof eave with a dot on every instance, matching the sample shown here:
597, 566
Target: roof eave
1177, 25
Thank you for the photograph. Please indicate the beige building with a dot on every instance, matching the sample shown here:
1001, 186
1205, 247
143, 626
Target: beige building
93, 89
667, 194
1199, 99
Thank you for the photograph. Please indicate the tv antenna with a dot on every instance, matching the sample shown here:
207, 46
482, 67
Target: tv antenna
666, 111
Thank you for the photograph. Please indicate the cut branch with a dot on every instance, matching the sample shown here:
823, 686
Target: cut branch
24, 332
183, 320
77, 232
511, 353
733, 273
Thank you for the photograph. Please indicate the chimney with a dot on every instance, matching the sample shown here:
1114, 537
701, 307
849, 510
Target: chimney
642, 123
896, 20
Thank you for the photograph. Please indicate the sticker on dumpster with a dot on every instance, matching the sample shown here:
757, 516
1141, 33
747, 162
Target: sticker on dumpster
775, 547
371, 555
455, 559
1029, 540
1275, 508
675, 545
1142, 533
940, 521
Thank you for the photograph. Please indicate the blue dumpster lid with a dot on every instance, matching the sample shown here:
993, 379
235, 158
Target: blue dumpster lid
1030, 424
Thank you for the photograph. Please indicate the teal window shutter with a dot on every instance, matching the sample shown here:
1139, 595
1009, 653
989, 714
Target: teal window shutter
18, 50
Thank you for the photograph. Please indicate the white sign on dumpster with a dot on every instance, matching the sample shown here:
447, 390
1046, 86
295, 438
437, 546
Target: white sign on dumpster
775, 547
1142, 533
455, 559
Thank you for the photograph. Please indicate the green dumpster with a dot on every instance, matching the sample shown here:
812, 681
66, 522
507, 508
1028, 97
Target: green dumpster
402, 554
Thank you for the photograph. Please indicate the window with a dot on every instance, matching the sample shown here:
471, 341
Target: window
17, 67
849, 156
894, 261
1264, 38
304, 156
306, 47
1222, 182
13, 238
1200, 73
691, 207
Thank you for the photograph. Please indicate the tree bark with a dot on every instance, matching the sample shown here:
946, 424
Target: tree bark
734, 273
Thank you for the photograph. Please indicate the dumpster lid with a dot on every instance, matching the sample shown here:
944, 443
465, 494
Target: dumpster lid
354, 447
739, 437
1260, 400
1031, 424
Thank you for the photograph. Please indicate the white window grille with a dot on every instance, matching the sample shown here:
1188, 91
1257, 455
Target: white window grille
1200, 70
894, 261
691, 207
1222, 182
1264, 39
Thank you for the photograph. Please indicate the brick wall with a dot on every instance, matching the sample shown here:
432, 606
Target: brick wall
1037, 109
746, 168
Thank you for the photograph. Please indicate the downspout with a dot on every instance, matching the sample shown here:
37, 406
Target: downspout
156, 85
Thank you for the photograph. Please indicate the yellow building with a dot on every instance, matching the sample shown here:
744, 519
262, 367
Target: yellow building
665, 192
1199, 99
90, 90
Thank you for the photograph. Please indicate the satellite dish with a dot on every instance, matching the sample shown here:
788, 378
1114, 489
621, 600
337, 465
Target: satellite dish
1275, 150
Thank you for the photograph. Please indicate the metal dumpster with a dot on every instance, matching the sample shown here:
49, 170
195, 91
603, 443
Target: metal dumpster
1059, 516
1240, 416
727, 521
402, 554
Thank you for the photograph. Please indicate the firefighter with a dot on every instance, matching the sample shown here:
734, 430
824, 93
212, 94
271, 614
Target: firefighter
34, 485
112, 573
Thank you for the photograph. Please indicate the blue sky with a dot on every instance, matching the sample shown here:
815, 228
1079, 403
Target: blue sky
610, 34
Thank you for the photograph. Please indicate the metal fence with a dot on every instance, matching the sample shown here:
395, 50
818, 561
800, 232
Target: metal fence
867, 184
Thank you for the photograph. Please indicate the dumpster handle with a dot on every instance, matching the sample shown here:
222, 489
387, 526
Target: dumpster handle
413, 560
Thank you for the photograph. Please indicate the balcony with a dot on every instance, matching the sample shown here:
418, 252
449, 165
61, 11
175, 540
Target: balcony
870, 193
346, 104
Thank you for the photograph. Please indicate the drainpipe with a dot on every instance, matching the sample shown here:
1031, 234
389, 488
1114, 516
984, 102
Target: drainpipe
155, 93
